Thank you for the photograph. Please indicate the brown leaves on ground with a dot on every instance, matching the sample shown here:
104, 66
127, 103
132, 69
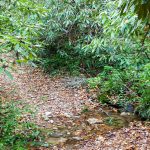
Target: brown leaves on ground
58, 107
135, 137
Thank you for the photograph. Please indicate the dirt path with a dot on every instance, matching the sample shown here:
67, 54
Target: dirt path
68, 115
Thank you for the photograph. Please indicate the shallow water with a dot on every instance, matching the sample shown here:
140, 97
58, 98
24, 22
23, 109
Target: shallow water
80, 129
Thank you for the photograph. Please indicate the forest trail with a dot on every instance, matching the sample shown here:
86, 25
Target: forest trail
69, 116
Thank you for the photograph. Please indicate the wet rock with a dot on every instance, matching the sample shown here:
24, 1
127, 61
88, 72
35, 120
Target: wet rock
68, 133
56, 134
76, 117
130, 108
94, 121
55, 128
125, 114
56, 141
76, 138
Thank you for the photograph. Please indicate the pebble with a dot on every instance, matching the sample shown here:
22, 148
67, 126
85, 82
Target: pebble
51, 121
68, 133
67, 115
56, 134
94, 121
46, 118
55, 128
125, 114
77, 138
48, 113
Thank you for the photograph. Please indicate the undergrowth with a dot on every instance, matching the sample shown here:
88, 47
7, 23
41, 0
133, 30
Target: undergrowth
15, 132
125, 88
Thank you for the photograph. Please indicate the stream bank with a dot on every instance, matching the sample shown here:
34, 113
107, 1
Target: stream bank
67, 116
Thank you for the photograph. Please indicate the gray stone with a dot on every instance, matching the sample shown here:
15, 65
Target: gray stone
56, 141
94, 121
51, 121
77, 138
48, 114
125, 114
56, 134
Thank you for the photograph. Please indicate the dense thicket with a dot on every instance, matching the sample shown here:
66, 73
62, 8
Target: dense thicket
100, 38
107, 40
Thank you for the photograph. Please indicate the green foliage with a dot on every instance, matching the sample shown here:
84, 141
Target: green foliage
144, 108
141, 7
92, 32
71, 25
107, 39
60, 63
20, 24
14, 133
125, 86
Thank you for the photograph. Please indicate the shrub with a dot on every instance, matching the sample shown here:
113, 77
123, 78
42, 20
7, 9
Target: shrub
15, 134
125, 86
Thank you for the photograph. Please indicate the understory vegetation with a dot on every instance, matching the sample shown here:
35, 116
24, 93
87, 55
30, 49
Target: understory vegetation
15, 132
106, 40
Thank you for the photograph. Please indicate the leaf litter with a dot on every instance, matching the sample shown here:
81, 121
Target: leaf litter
68, 115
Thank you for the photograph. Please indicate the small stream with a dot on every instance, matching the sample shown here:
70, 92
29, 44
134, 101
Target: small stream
87, 125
